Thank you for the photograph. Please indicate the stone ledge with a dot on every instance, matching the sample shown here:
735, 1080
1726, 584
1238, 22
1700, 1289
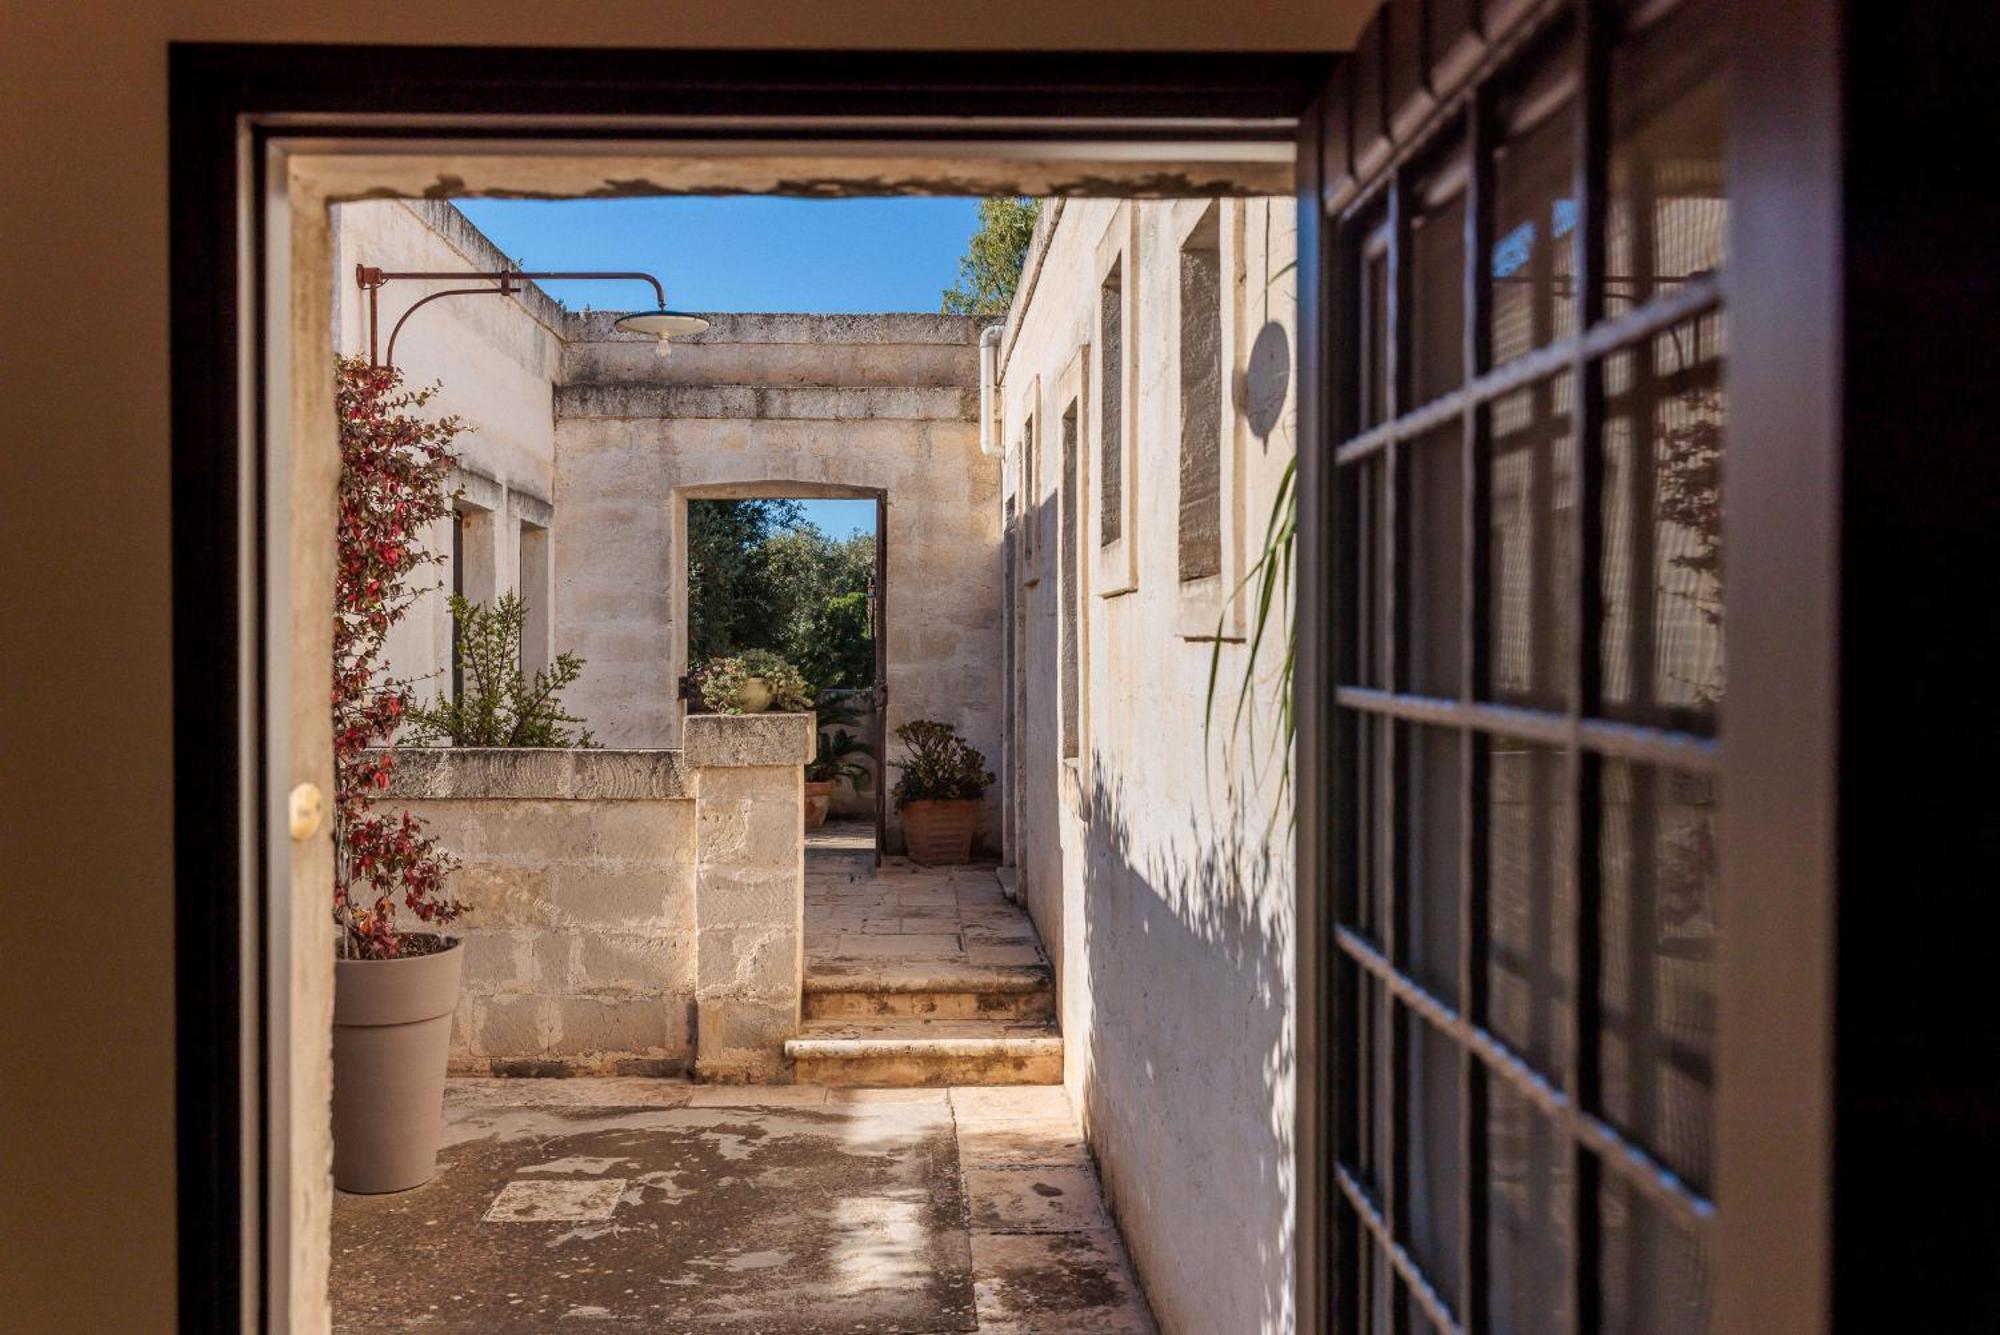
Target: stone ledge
467, 773
737, 741
904, 327
633, 399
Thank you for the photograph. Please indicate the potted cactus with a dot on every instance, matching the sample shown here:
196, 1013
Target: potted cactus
938, 792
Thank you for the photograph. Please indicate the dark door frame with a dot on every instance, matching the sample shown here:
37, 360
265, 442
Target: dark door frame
227, 104
880, 627
1867, 501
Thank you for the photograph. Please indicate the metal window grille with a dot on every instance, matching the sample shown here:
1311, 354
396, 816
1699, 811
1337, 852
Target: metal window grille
1529, 653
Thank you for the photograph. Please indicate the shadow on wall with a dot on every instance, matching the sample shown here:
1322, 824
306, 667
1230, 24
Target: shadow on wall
1190, 1053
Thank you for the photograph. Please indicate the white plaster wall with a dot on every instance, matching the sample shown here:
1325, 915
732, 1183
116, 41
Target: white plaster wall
781, 405
1158, 864
495, 360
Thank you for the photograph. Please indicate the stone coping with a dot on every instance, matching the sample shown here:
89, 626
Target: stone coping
738, 740
544, 773
648, 400
904, 327
568, 774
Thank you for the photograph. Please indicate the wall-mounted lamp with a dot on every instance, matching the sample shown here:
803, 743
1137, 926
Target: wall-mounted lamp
662, 324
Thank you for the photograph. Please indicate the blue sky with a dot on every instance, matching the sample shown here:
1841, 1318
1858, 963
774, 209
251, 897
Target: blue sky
749, 253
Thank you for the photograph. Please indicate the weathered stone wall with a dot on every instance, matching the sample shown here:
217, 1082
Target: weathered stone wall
495, 361
633, 912
750, 902
777, 405
1157, 862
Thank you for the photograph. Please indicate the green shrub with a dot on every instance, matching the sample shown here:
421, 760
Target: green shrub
942, 766
497, 705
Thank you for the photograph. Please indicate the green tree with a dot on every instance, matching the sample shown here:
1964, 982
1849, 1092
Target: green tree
759, 577
730, 587
993, 258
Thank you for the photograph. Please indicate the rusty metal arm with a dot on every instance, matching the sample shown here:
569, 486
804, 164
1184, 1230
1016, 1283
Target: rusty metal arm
371, 280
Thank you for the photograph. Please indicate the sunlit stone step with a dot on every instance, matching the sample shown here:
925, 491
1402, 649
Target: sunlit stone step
902, 1052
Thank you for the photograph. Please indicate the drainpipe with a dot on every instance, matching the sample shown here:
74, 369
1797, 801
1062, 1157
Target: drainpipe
989, 398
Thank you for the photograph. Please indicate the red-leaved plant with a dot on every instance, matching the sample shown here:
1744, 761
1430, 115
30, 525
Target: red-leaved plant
394, 467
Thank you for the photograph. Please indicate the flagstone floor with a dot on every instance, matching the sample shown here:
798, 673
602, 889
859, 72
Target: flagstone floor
783, 1210
902, 921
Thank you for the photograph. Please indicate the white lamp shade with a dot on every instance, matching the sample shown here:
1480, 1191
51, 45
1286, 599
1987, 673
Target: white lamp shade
662, 324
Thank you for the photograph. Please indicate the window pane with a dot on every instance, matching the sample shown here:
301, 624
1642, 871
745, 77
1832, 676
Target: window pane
1371, 832
1531, 491
1436, 548
1374, 381
1667, 216
1072, 593
1655, 1271
1663, 467
1364, 527
1201, 401
1657, 849
1111, 409
1531, 904
1437, 315
1431, 1217
1430, 936
1532, 253
1373, 1066
1528, 1213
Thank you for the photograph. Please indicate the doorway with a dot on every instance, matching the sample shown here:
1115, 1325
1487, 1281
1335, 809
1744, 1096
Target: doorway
259, 132
800, 574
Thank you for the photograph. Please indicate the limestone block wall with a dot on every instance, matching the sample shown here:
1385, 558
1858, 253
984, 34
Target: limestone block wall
495, 361
777, 405
1157, 861
633, 912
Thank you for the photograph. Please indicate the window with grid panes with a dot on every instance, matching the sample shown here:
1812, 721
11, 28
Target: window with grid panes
1531, 662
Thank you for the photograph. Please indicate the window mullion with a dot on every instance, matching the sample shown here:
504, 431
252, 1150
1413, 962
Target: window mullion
1395, 1184
1473, 925
1584, 697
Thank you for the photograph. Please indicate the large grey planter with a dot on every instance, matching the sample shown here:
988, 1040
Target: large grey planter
391, 1039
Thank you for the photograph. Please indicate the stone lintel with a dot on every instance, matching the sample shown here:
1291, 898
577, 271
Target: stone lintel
464, 773
741, 740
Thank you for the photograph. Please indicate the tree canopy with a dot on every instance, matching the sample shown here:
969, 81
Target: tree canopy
761, 577
991, 266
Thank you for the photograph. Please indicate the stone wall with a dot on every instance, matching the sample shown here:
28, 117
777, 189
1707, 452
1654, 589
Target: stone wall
495, 361
1157, 861
777, 405
633, 912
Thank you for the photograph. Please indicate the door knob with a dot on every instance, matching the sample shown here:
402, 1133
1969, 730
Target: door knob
307, 807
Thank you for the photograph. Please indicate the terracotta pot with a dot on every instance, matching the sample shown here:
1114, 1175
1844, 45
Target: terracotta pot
391, 1040
939, 832
819, 800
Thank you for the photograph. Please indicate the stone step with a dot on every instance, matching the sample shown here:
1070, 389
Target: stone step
903, 1052
844, 991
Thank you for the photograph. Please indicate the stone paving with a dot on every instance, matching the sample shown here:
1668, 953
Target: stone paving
901, 922
783, 1210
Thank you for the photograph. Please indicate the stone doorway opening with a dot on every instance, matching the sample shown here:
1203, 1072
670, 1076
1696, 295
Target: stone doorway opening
799, 571
294, 1202
651, 924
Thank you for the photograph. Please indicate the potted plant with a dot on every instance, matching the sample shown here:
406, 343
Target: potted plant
938, 792
394, 991
751, 683
837, 760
